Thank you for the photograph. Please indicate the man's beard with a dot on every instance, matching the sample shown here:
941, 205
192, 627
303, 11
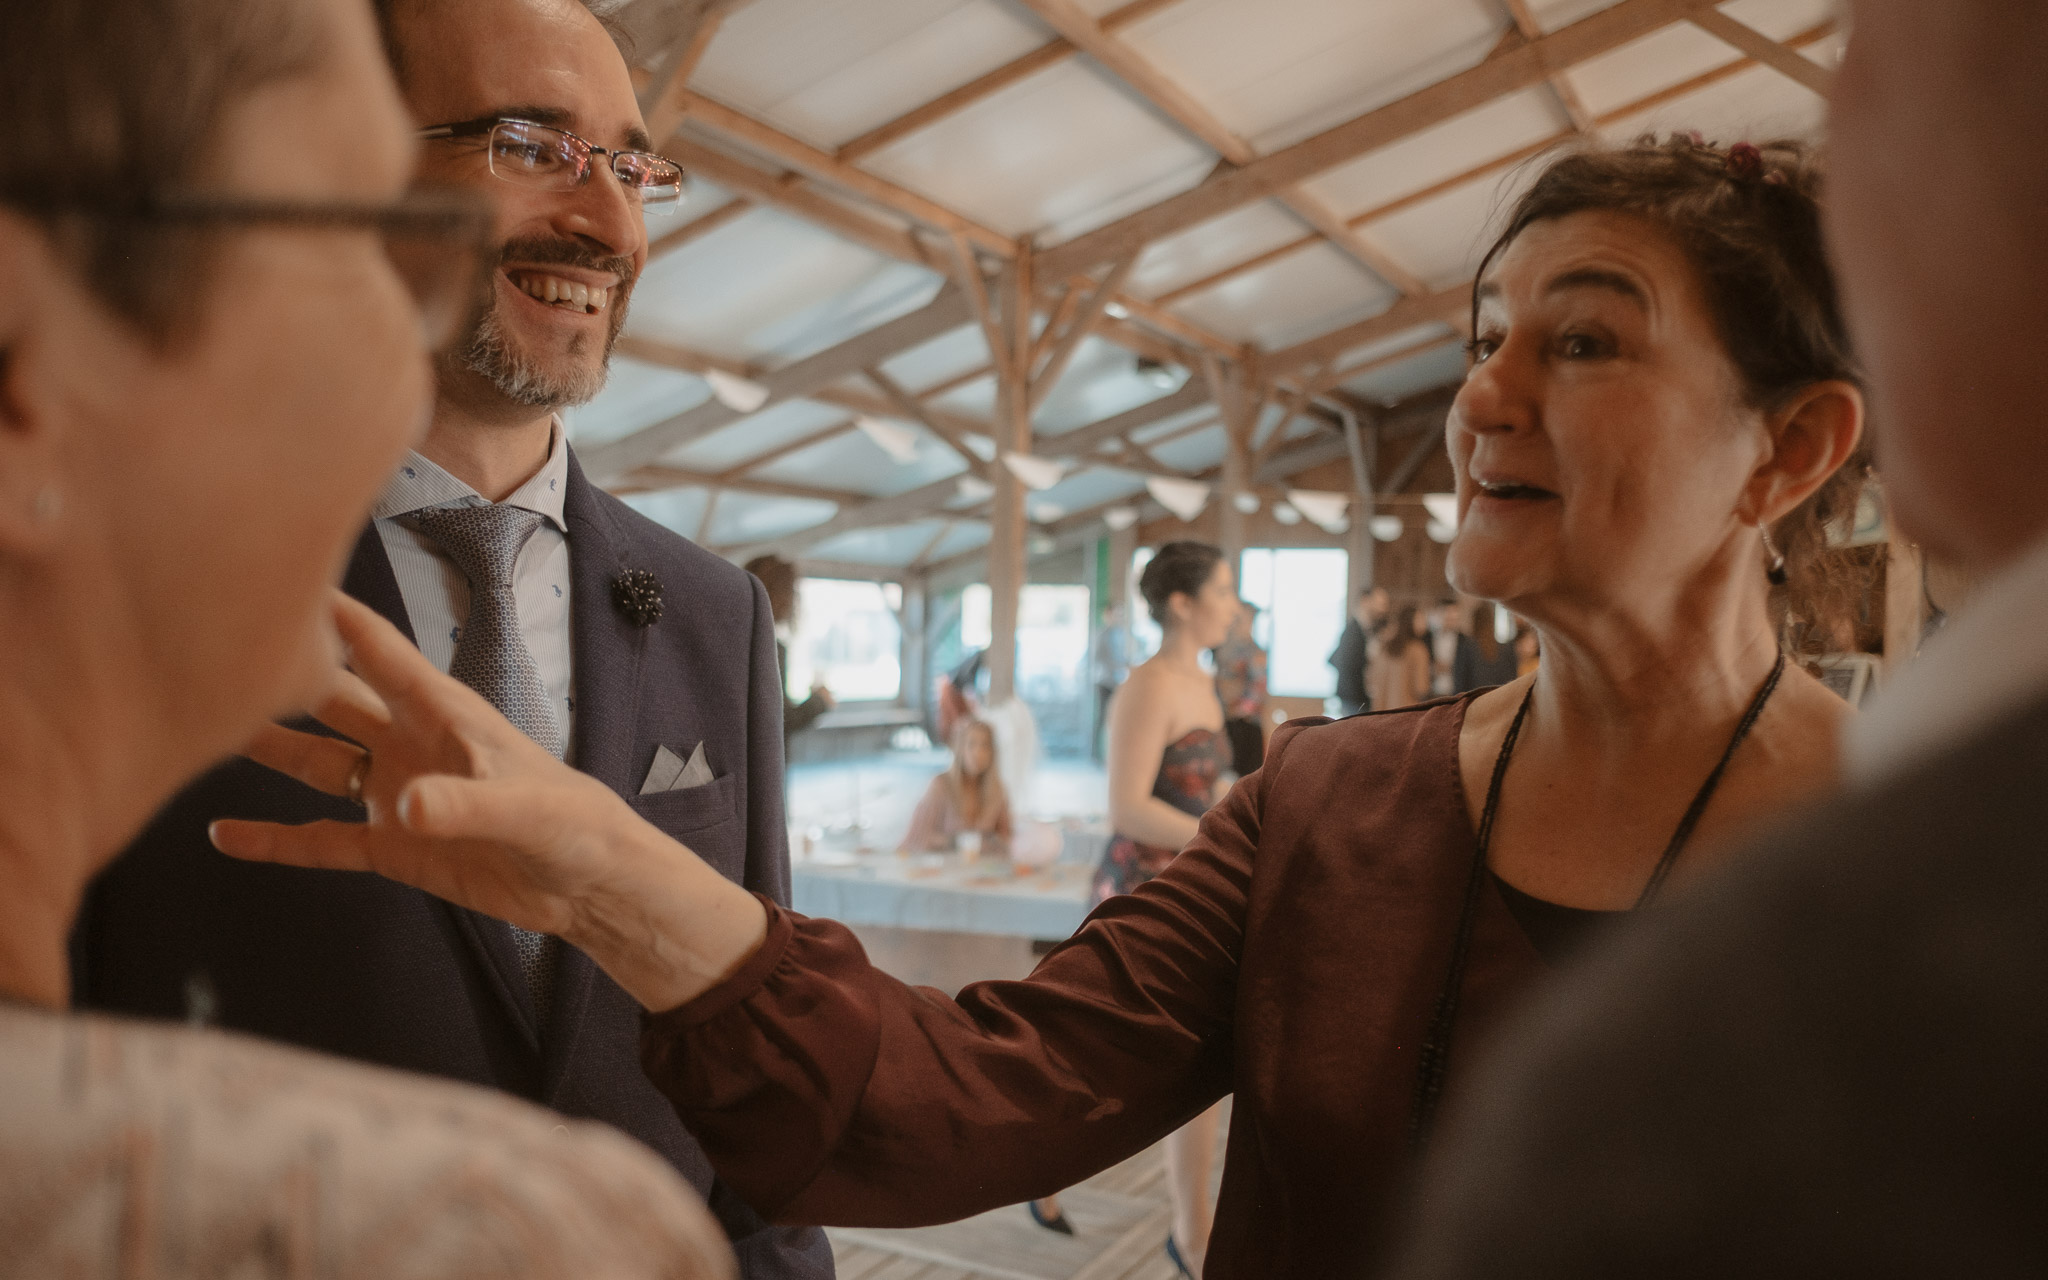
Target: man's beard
570, 378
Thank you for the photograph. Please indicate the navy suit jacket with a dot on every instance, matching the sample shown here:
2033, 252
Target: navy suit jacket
356, 965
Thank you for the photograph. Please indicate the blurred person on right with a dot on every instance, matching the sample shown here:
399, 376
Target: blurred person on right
1831, 1061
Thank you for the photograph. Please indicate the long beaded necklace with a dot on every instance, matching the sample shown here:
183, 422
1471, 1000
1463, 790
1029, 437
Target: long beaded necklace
1436, 1046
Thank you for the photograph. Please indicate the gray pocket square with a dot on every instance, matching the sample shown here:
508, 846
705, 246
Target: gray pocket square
671, 772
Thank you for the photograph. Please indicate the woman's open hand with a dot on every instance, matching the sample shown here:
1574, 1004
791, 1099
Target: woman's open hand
459, 802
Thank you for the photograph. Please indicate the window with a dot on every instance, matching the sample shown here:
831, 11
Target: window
1300, 594
1052, 635
847, 638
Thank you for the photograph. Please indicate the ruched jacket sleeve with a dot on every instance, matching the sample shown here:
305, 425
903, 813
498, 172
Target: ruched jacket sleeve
827, 1092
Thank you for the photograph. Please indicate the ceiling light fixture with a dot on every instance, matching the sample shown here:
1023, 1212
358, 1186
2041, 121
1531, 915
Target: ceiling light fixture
1166, 377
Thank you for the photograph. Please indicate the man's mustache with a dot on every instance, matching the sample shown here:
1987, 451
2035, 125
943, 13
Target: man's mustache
547, 251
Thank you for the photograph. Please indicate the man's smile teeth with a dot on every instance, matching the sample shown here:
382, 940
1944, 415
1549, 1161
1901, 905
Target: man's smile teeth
566, 294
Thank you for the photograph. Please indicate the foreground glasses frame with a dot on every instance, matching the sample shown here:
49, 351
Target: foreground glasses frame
439, 242
541, 155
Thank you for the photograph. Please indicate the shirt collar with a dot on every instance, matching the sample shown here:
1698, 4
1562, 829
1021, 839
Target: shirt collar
421, 483
1986, 662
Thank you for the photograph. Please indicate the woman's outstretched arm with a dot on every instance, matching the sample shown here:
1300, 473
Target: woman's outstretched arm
823, 1090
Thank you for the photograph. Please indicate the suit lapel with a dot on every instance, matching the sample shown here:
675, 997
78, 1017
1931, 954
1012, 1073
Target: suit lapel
370, 580
607, 650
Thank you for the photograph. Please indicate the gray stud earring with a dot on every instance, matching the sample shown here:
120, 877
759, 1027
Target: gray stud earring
47, 504
1776, 569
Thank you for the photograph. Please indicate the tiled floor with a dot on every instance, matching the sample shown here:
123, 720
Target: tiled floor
1120, 1218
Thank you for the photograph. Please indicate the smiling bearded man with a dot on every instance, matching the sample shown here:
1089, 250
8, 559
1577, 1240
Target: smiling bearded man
517, 575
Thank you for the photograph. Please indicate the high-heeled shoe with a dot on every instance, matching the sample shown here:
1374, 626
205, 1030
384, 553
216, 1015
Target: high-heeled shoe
1057, 1222
1173, 1254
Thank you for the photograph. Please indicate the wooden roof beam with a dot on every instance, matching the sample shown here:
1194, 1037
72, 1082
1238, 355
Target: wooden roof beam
1232, 189
654, 479
945, 312
1560, 88
949, 104
1761, 47
1488, 168
1178, 105
908, 406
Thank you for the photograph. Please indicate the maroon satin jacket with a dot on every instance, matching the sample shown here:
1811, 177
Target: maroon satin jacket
1291, 956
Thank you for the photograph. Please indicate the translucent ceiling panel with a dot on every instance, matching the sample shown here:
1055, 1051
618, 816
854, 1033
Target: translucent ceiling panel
1276, 71
830, 70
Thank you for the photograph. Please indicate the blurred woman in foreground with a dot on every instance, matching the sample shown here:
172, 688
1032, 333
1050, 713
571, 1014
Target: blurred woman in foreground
196, 200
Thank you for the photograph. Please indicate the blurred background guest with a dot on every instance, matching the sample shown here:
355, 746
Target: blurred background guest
1483, 660
1241, 687
1354, 650
779, 577
966, 808
1109, 660
1446, 629
1167, 756
1401, 674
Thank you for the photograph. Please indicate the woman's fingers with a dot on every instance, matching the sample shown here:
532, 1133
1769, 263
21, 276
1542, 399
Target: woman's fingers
322, 763
391, 665
397, 673
352, 708
514, 813
329, 846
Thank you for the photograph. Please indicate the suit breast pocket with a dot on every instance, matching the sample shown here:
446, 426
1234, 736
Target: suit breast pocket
703, 818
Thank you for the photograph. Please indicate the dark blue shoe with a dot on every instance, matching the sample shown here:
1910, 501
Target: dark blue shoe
1057, 1222
1173, 1254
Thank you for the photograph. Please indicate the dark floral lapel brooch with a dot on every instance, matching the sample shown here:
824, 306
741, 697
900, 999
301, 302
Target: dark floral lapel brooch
638, 595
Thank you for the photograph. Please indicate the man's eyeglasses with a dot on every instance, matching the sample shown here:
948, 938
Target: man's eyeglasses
539, 155
438, 242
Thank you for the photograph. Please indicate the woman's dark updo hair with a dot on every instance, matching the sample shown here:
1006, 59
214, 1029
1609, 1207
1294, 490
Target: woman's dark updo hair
1747, 216
1178, 568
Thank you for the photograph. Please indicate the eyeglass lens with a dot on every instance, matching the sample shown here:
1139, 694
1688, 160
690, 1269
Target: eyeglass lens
538, 155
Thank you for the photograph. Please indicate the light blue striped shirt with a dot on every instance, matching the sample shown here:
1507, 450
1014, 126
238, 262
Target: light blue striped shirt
436, 591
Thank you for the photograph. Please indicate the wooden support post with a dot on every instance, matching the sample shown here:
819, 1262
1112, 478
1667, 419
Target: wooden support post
914, 690
1008, 328
1123, 546
1364, 444
1240, 406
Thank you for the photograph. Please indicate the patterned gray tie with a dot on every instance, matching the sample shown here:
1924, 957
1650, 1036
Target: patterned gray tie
491, 657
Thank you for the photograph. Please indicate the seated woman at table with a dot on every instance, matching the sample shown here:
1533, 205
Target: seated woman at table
968, 800
1649, 446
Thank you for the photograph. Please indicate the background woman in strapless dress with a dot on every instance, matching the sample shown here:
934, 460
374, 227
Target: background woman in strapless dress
1167, 753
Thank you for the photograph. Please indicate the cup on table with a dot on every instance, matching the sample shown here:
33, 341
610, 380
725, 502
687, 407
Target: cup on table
968, 845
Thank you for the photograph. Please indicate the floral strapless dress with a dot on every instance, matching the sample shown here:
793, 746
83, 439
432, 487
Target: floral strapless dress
1187, 779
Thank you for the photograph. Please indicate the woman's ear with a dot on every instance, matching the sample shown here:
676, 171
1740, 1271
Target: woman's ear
1812, 435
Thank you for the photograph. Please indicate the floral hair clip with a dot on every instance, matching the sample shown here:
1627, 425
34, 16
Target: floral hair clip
1745, 161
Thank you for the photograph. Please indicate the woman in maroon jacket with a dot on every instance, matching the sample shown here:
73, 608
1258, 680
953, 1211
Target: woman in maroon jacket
1648, 446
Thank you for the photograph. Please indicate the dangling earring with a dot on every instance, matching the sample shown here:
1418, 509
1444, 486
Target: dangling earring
47, 504
1776, 569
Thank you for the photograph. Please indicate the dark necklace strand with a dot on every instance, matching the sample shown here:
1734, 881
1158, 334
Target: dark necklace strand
1436, 1046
